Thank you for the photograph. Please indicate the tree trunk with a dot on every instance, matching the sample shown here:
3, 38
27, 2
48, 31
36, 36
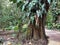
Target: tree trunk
38, 32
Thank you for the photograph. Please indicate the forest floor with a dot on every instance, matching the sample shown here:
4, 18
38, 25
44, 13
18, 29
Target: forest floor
54, 37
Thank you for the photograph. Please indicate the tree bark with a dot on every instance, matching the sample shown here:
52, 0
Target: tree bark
37, 33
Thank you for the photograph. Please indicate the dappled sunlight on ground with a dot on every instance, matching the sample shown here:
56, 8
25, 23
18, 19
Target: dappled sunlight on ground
54, 37
51, 42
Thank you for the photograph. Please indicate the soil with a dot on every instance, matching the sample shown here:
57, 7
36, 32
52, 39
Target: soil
54, 38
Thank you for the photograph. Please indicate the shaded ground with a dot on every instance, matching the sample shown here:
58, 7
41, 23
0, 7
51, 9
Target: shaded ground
54, 37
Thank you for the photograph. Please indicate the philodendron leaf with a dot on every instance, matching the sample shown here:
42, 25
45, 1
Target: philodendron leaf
24, 6
31, 4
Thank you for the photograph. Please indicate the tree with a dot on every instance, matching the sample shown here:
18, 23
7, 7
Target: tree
35, 11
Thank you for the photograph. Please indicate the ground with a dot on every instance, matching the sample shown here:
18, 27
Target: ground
52, 42
54, 37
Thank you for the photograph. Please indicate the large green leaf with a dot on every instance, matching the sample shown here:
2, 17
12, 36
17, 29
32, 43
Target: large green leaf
24, 6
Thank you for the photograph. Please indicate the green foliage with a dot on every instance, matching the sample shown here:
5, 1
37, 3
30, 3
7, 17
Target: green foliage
32, 8
58, 26
51, 17
49, 20
9, 28
52, 14
27, 7
15, 28
9, 15
14, 1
